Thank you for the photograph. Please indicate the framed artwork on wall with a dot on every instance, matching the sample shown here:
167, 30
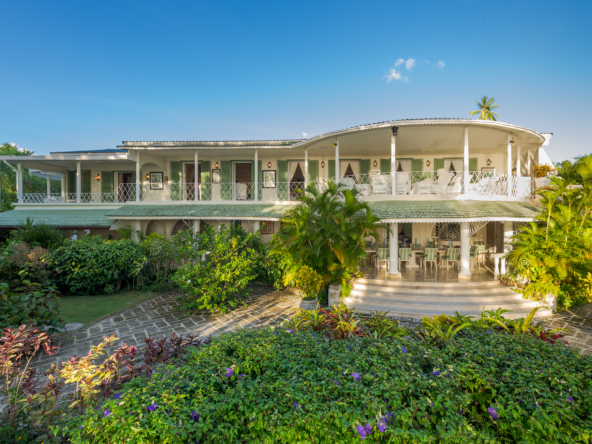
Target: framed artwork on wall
488, 171
157, 181
216, 175
268, 179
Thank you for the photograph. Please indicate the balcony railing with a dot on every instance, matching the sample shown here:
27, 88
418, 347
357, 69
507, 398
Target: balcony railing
406, 183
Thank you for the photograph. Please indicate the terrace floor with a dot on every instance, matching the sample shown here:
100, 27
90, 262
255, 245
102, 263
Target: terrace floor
430, 274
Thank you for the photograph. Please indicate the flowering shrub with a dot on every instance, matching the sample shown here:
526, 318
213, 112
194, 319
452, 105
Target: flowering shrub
309, 282
295, 386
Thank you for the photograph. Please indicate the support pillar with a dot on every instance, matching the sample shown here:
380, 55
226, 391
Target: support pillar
518, 161
510, 178
508, 233
337, 168
256, 193
78, 181
528, 166
136, 227
393, 271
64, 193
48, 187
138, 177
465, 251
255, 225
305, 168
393, 161
196, 178
196, 224
467, 175
19, 182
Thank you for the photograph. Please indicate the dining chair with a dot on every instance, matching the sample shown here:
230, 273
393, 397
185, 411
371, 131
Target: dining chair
383, 256
452, 257
474, 255
404, 256
402, 183
431, 255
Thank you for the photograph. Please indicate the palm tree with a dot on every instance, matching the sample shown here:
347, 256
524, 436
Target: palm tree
486, 107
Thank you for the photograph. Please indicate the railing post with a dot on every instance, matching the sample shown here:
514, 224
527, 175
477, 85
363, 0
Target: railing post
138, 177
467, 178
19, 182
256, 193
393, 161
78, 181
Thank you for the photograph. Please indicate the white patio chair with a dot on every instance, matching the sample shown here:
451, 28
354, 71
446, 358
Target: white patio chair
380, 184
455, 186
241, 191
348, 183
402, 183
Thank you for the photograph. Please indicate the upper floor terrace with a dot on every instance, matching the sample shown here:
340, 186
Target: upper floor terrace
407, 159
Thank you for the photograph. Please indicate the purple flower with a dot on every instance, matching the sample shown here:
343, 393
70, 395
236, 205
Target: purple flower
362, 431
356, 376
436, 373
242, 375
374, 375
80, 427
337, 382
275, 333
229, 372
290, 331
570, 399
432, 404
382, 427
404, 349
106, 413
368, 428
152, 407
489, 331
195, 416
493, 413
118, 395
296, 405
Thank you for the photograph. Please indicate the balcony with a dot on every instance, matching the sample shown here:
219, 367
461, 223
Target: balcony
414, 183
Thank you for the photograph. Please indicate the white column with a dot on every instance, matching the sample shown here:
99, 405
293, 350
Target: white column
64, 190
48, 187
78, 181
305, 167
510, 179
196, 226
256, 193
394, 251
508, 233
136, 226
393, 161
518, 161
19, 182
528, 157
467, 177
337, 169
465, 251
255, 225
196, 178
138, 177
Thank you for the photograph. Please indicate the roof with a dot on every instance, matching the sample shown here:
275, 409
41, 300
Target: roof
110, 150
58, 218
449, 210
202, 211
211, 144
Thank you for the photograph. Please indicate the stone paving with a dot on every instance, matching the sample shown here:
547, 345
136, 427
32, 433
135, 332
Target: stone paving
579, 324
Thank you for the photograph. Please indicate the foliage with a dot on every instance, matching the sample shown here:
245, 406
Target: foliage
326, 233
280, 386
486, 107
161, 254
30, 304
124, 232
555, 252
19, 262
543, 170
379, 326
221, 265
271, 269
309, 282
37, 234
441, 328
506, 279
91, 265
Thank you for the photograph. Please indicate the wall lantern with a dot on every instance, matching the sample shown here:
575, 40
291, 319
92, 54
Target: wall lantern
488, 162
98, 177
375, 164
147, 176
333, 145
428, 163
217, 165
166, 179
268, 164
322, 164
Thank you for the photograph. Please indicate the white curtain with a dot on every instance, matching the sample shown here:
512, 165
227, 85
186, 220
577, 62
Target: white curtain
355, 167
293, 166
343, 168
457, 164
405, 166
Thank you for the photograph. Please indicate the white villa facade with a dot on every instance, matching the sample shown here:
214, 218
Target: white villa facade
443, 181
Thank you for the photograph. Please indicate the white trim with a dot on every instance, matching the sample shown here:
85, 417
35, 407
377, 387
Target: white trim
270, 219
460, 219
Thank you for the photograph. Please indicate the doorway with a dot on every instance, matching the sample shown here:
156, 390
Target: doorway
242, 181
125, 187
189, 187
296, 180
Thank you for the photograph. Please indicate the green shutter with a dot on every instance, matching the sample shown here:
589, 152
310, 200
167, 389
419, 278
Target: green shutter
85, 181
283, 187
364, 166
438, 164
71, 182
473, 165
385, 165
313, 170
107, 181
331, 169
416, 164
225, 180
206, 175
176, 178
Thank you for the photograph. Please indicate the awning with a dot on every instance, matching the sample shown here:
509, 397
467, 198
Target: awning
201, 211
74, 218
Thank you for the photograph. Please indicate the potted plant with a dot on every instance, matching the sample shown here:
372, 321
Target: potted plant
542, 173
309, 282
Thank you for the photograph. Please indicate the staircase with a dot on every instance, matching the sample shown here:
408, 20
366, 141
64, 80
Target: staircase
418, 299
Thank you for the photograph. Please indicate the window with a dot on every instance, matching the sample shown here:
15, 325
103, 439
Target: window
267, 227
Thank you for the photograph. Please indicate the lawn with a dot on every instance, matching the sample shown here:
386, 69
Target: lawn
88, 309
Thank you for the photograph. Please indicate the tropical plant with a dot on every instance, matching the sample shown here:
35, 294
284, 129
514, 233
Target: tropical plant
37, 234
486, 107
31, 304
379, 326
556, 249
326, 232
543, 170
440, 328
309, 282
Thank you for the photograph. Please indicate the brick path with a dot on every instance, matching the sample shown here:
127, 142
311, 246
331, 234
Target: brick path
579, 324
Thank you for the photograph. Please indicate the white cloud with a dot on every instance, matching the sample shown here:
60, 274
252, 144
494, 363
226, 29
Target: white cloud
399, 62
410, 63
440, 64
395, 75
306, 135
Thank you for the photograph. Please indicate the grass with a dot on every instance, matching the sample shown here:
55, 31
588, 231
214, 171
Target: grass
88, 309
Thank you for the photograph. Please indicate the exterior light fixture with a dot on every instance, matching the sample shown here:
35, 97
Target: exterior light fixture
217, 165
428, 163
333, 145
166, 179
268, 164
375, 164
147, 176
512, 139
394, 129
322, 164
98, 177
488, 162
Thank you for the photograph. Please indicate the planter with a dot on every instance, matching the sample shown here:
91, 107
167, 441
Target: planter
309, 305
542, 182
334, 295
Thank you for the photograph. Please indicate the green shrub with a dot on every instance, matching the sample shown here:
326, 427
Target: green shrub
91, 265
222, 264
29, 304
37, 234
276, 386
309, 282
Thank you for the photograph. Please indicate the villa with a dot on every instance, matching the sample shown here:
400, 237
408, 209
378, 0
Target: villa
436, 182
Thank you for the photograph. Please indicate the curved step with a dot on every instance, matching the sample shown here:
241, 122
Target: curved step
423, 313
402, 283
433, 290
393, 298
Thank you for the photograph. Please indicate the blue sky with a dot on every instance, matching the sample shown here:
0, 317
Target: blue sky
88, 75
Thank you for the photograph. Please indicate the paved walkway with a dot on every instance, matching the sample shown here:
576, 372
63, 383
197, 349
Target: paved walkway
579, 324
